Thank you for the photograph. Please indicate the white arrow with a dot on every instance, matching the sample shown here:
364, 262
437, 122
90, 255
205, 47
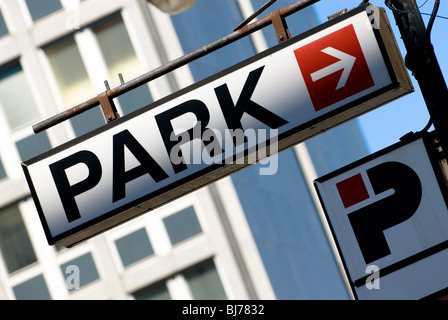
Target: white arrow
345, 63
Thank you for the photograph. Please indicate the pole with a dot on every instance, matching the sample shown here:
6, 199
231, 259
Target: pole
422, 61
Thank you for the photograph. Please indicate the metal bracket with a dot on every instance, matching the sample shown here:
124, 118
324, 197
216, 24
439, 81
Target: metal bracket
280, 26
107, 105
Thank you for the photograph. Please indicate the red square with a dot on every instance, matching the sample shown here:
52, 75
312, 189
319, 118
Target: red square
352, 190
334, 67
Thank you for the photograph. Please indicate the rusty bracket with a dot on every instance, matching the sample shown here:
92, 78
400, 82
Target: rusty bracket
280, 26
107, 105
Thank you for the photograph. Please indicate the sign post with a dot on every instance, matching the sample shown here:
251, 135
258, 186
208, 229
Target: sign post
218, 126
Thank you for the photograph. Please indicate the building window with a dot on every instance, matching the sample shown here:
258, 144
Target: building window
33, 289
157, 291
135, 99
84, 267
116, 47
42, 8
15, 243
32, 146
200, 282
74, 83
182, 225
3, 28
16, 99
69, 71
134, 247
204, 282
120, 57
2, 171
20, 110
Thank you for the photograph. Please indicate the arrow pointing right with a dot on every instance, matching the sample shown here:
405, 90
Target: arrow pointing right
345, 63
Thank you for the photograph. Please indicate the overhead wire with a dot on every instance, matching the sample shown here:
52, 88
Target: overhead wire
423, 4
390, 6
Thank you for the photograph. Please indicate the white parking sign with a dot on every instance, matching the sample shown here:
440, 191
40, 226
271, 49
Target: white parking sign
389, 211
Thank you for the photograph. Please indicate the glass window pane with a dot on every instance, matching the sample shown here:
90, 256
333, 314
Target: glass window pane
70, 72
2, 171
88, 121
3, 28
59, 248
134, 247
74, 83
182, 225
84, 267
33, 146
135, 99
157, 291
16, 98
41, 8
33, 289
204, 282
15, 243
120, 57
117, 48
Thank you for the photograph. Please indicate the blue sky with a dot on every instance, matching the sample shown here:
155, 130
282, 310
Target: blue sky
384, 126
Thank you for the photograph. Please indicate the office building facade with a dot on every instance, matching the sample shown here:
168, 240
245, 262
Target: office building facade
246, 236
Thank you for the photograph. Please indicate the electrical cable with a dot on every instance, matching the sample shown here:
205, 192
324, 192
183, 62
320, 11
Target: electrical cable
255, 14
391, 7
423, 4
